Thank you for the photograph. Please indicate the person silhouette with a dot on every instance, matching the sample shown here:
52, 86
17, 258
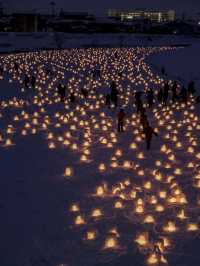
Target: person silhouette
121, 117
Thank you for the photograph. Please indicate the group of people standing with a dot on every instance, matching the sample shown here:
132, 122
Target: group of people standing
61, 89
148, 131
169, 92
177, 93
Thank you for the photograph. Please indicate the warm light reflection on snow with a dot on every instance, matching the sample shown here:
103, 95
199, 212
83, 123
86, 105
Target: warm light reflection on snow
148, 190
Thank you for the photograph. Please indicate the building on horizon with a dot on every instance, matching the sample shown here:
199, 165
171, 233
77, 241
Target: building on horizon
156, 16
25, 22
76, 15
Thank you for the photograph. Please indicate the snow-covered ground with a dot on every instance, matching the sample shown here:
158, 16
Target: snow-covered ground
11, 42
75, 192
182, 64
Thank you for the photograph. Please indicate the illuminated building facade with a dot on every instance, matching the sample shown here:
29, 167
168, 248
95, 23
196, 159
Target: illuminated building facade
153, 16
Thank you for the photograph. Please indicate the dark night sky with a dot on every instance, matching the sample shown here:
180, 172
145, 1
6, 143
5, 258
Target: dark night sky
100, 6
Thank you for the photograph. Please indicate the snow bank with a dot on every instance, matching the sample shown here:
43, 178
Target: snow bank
12, 42
182, 64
